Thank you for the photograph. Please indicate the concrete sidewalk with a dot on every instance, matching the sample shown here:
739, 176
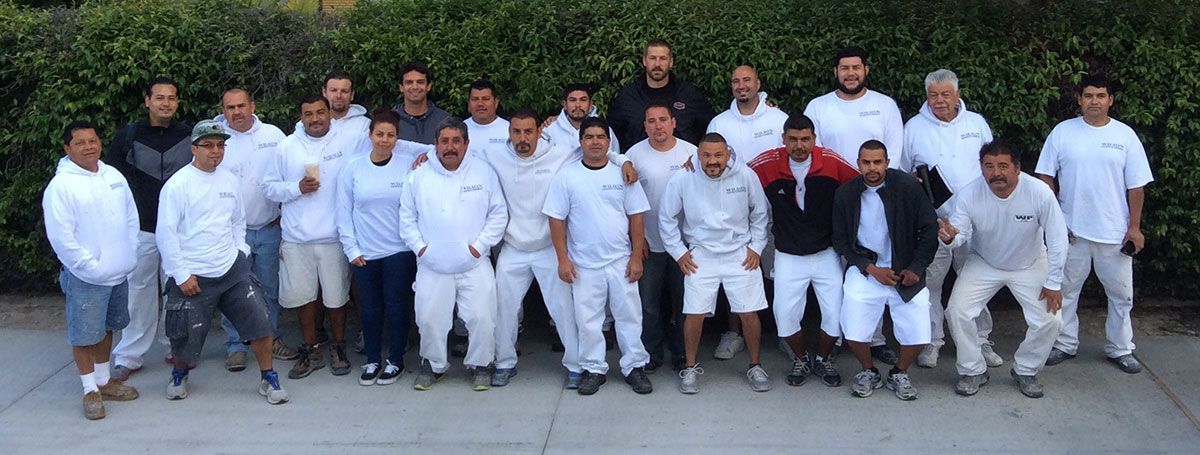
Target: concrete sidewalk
1089, 407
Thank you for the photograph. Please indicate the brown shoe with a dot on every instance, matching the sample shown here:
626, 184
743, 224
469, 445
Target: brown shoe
93, 406
117, 391
338, 362
235, 361
310, 361
281, 351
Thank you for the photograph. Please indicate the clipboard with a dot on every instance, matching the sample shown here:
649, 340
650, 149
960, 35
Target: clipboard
935, 186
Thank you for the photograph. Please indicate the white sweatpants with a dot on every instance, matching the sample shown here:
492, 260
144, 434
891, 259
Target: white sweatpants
474, 294
793, 275
1115, 271
862, 310
515, 271
145, 301
935, 277
976, 284
591, 289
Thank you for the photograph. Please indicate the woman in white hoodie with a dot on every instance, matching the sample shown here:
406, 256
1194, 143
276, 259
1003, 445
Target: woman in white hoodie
92, 224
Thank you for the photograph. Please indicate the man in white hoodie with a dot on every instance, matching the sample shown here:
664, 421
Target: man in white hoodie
853, 114
202, 237
92, 224
945, 137
525, 170
339, 90
750, 126
724, 230
602, 218
489, 132
563, 129
303, 177
248, 151
452, 213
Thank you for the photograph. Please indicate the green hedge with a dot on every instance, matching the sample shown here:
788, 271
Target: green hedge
1018, 61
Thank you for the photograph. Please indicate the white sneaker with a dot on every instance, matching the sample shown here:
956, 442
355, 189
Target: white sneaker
928, 357
990, 356
731, 344
759, 381
689, 381
271, 389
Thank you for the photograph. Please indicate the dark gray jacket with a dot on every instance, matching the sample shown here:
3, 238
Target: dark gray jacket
422, 129
911, 220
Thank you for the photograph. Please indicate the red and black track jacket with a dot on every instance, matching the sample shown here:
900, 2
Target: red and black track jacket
802, 232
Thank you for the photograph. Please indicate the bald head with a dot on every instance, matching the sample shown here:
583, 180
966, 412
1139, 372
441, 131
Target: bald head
745, 84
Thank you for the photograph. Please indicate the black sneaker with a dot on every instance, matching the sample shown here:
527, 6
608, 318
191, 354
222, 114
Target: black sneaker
390, 373
638, 380
591, 382
827, 371
799, 373
370, 374
884, 354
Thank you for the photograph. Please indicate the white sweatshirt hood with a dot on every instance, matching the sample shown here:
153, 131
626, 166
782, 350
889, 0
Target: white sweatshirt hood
758, 110
927, 112
562, 133
92, 222
722, 215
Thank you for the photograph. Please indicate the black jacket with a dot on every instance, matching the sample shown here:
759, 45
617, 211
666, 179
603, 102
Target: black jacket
912, 226
422, 129
627, 113
147, 156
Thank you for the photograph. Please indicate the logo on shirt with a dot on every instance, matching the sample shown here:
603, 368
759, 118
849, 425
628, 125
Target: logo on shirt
735, 190
225, 195
968, 135
397, 184
543, 171
1023, 218
497, 140
470, 188
332, 156
868, 113
612, 187
764, 133
676, 167
1110, 145
267, 144
116, 185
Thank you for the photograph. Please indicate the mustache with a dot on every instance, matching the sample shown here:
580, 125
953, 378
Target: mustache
998, 178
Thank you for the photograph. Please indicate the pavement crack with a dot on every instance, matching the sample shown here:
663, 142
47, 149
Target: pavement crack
35, 386
549, 431
1171, 395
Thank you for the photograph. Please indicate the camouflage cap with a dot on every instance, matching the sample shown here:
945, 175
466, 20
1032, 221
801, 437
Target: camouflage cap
208, 128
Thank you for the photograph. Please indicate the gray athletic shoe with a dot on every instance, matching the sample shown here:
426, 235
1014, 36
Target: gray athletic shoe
969, 384
759, 381
731, 343
177, 387
481, 379
990, 356
689, 380
903, 387
1058, 356
269, 387
572, 381
928, 357
1028, 385
426, 377
865, 383
1127, 363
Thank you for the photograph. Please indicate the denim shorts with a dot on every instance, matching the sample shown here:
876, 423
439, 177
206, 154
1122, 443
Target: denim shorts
93, 310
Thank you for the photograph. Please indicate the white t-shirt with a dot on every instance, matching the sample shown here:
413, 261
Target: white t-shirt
843, 125
654, 170
873, 228
201, 223
800, 171
368, 206
1095, 167
1008, 233
596, 205
490, 138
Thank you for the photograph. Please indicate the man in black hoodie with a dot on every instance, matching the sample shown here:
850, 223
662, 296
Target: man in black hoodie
147, 153
692, 109
885, 227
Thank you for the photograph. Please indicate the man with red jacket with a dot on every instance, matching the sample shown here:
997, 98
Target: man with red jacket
799, 180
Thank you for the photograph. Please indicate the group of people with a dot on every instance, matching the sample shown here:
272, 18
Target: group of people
635, 224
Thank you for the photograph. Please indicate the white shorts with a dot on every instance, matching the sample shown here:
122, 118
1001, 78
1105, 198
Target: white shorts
793, 274
744, 288
862, 310
303, 267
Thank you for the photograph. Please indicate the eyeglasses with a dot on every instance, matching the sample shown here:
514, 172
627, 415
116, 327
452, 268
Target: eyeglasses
211, 145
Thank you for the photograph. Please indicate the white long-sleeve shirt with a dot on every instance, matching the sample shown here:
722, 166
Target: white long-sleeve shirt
201, 223
563, 134
308, 218
247, 156
843, 125
444, 212
654, 170
92, 222
596, 204
1013, 233
750, 135
490, 138
952, 147
368, 204
721, 215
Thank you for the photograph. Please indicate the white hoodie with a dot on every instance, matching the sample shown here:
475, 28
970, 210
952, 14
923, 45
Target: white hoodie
843, 125
526, 182
721, 215
750, 135
953, 147
309, 218
443, 212
562, 133
355, 120
92, 222
201, 223
247, 156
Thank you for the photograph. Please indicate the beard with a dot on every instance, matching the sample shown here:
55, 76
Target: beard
862, 85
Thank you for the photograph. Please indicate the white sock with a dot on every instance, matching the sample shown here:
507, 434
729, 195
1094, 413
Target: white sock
89, 383
102, 374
